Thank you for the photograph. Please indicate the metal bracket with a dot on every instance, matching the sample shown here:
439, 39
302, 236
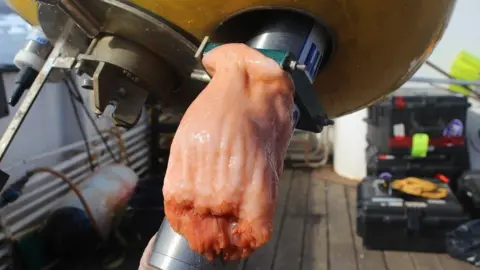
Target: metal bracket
312, 116
33, 93
64, 62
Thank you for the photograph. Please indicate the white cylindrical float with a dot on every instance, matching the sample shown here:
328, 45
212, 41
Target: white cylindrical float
350, 144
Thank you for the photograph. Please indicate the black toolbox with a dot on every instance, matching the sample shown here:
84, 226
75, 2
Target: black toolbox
393, 122
389, 222
402, 166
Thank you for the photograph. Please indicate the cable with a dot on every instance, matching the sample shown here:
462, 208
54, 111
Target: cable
436, 86
73, 188
446, 74
90, 117
82, 130
115, 131
74, 90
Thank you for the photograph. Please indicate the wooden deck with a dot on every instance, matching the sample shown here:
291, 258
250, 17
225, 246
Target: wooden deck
315, 230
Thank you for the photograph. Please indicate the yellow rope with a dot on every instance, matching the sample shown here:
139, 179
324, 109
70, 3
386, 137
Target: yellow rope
420, 187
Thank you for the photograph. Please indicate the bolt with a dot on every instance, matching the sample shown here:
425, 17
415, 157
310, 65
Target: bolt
200, 75
301, 67
323, 121
87, 83
131, 76
328, 122
122, 92
294, 65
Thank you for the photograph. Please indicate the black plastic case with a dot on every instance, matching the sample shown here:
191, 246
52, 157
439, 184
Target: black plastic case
388, 222
403, 166
451, 165
411, 112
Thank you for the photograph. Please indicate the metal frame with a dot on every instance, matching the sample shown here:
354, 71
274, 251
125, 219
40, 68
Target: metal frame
44, 191
4, 109
35, 89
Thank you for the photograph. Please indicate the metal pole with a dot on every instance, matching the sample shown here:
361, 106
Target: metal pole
444, 81
127, 135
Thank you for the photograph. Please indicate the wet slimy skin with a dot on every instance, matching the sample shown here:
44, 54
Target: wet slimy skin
227, 155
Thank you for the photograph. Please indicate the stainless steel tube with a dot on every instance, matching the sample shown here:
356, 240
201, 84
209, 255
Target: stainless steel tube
171, 252
444, 81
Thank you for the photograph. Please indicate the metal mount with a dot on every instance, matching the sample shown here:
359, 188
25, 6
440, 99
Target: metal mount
55, 60
152, 52
90, 35
171, 252
312, 116
121, 75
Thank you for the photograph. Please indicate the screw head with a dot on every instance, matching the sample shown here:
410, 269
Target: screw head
87, 83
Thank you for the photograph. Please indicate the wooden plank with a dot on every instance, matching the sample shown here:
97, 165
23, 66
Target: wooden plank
315, 245
367, 259
398, 260
426, 261
327, 173
289, 250
341, 246
262, 259
450, 263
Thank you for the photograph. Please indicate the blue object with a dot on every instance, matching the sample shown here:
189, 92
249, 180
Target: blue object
386, 176
13, 192
454, 129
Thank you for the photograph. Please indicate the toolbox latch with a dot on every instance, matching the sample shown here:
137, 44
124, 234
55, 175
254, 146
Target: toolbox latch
414, 216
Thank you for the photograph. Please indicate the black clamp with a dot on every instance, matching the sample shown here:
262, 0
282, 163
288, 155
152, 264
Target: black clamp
312, 115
